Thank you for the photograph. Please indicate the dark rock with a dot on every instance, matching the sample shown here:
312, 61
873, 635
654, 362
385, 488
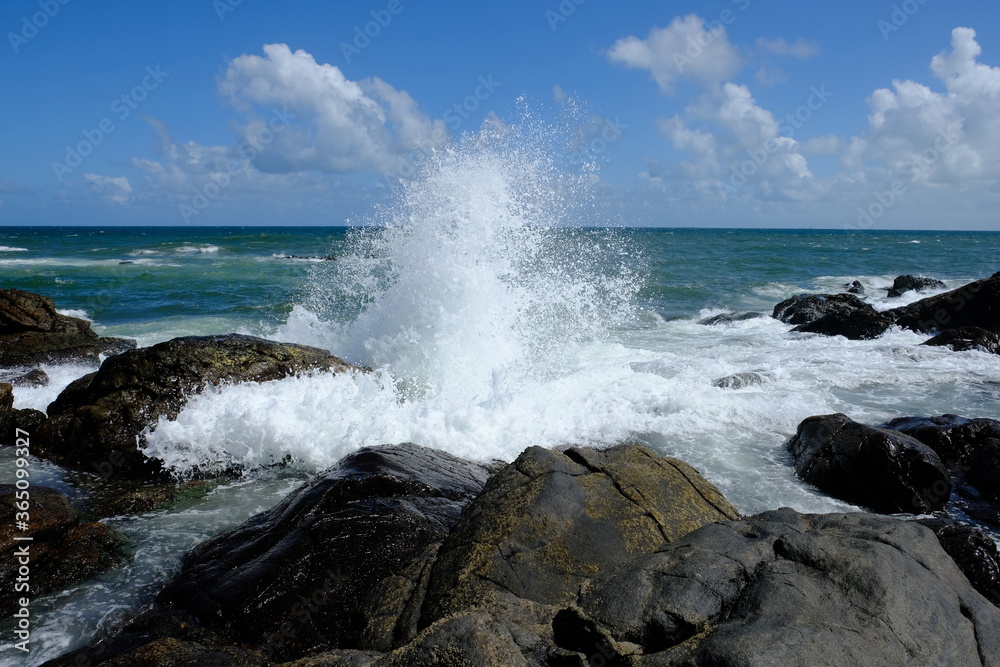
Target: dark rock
782, 588
881, 469
339, 658
984, 469
865, 323
806, 308
974, 552
63, 549
974, 305
955, 439
33, 332
742, 380
551, 520
903, 284
27, 420
729, 318
299, 578
967, 338
98, 419
6, 410
33, 378
833, 315
855, 288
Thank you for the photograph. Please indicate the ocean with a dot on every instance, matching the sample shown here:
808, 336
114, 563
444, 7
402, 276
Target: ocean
490, 324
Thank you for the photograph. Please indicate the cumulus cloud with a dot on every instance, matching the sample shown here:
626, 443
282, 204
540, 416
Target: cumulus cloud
937, 137
687, 49
340, 126
114, 190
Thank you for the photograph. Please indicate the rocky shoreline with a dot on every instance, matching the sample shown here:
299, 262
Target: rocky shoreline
404, 555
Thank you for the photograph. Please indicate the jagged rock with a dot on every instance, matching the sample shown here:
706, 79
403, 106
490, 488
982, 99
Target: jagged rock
782, 588
967, 338
96, 421
955, 439
348, 550
729, 318
974, 305
903, 284
63, 548
742, 380
550, 521
12, 420
833, 315
855, 288
881, 469
33, 332
973, 551
33, 378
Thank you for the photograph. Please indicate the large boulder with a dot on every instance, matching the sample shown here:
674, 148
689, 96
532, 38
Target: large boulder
33, 332
877, 468
967, 338
974, 305
62, 549
782, 588
98, 420
13, 421
903, 284
973, 551
551, 521
957, 440
340, 563
833, 315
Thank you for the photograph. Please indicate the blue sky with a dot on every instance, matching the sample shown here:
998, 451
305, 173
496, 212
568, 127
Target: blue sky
865, 115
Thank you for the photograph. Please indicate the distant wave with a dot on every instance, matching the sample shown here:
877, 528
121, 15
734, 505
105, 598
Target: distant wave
7, 248
193, 248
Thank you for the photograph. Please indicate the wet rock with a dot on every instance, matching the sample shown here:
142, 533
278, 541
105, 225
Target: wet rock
12, 421
33, 332
865, 323
967, 338
348, 550
877, 468
903, 284
33, 378
955, 439
742, 380
974, 305
63, 548
96, 421
550, 521
782, 588
833, 315
855, 287
973, 551
729, 318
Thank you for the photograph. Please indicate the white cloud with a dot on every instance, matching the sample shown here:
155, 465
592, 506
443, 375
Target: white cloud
114, 190
829, 144
800, 48
938, 137
686, 49
340, 126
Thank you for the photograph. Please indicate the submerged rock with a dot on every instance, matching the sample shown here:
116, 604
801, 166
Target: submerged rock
63, 549
855, 287
877, 468
833, 315
967, 338
974, 305
742, 380
782, 588
33, 332
33, 378
903, 284
340, 563
729, 318
97, 420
